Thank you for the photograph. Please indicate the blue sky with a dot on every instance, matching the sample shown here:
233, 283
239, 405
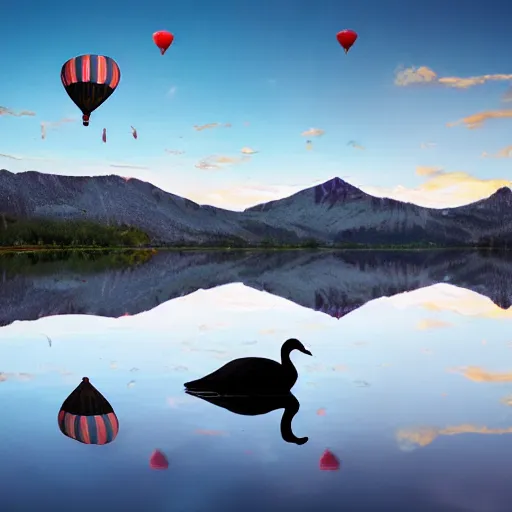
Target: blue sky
272, 70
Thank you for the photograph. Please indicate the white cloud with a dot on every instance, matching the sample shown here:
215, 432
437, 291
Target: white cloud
4, 111
424, 75
502, 153
478, 120
313, 132
442, 189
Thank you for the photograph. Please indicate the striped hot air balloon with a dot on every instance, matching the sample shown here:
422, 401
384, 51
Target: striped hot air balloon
89, 81
87, 416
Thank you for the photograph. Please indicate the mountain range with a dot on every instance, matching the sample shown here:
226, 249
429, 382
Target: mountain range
332, 282
332, 213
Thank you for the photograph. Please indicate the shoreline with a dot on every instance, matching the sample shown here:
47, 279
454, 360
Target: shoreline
155, 249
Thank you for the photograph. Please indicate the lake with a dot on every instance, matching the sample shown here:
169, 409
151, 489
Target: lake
409, 384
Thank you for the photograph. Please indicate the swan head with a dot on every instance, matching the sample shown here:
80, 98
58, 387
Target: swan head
293, 344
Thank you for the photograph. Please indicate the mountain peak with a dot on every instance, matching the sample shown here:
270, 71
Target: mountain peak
502, 195
503, 192
336, 182
335, 190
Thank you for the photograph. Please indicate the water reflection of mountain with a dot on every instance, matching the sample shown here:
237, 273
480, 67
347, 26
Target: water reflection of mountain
335, 283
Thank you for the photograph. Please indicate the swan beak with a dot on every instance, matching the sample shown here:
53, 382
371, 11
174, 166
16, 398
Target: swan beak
307, 352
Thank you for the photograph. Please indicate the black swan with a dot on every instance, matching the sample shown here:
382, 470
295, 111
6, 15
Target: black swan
256, 405
252, 376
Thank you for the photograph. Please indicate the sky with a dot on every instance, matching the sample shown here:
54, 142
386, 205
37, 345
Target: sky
420, 109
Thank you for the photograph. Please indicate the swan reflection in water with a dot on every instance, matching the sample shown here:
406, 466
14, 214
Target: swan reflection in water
257, 405
251, 386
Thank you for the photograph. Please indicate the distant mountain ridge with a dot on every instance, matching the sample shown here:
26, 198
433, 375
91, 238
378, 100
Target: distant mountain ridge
334, 212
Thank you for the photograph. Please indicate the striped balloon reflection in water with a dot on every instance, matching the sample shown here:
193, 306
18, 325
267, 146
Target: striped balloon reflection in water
87, 416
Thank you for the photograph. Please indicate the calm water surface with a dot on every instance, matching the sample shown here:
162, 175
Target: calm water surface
409, 385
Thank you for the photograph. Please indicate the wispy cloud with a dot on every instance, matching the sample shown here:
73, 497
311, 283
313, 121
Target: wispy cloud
15, 376
128, 166
428, 171
410, 439
443, 189
204, 432
355, 145
449, 298
424, 75
218, 161
222, 159
54, 125
322, 368
10, 157
248, 151
502, 153
313, 132
4, 111
477, 120
428, 145
25, 158
172, 91
210, 126
415, 75
478, 374
431, 323
206, 166
238, 197
174, 152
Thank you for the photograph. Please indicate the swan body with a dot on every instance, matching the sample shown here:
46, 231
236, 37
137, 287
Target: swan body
252, 376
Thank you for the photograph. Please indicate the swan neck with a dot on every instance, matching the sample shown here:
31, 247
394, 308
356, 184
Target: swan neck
290, 410
285, 357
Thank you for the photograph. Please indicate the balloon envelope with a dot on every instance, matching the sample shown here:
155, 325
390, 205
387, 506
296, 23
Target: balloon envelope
87, 417
346, 38
329, 462
158, 460
89, 81
163, 40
